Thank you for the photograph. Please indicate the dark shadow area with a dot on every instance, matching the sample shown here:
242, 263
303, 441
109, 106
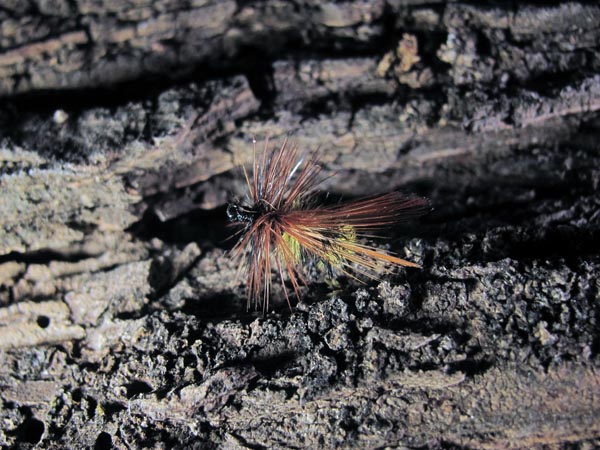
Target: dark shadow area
217, 306
31, 430
44, 256
201, 226
137, 387
271, 365
103, 441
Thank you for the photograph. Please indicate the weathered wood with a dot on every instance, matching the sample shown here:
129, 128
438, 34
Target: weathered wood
122, 322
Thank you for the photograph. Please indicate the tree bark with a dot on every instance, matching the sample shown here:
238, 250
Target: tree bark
122, 129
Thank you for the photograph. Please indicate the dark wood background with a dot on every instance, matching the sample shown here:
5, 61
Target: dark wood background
122, 323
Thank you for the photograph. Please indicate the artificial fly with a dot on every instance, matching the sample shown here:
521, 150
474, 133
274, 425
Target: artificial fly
282, 228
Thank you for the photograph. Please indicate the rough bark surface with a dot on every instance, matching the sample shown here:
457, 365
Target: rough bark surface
122, 323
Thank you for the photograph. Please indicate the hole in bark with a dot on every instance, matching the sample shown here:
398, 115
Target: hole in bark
91, 406
31, 430
137, 387
483, 44
43, 321
103, 441
270, 365
110, 409
76, 395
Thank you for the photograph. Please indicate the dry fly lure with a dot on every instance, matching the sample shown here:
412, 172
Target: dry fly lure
282, 228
